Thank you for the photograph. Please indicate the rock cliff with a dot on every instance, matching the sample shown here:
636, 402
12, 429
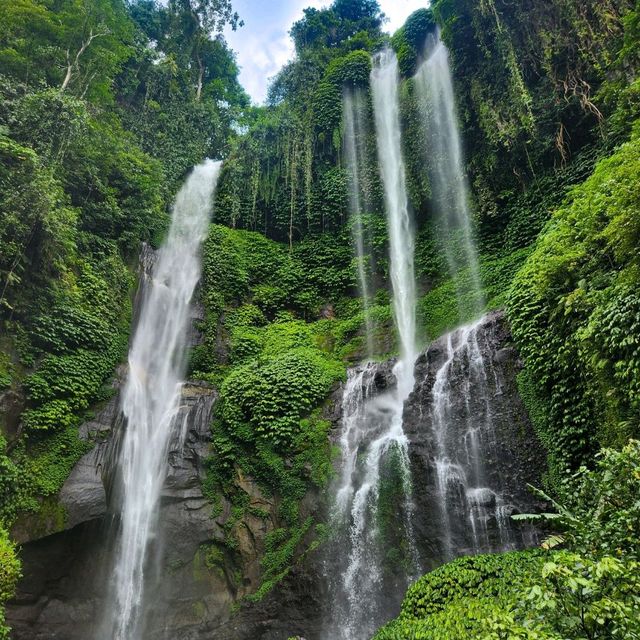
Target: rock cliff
200, 585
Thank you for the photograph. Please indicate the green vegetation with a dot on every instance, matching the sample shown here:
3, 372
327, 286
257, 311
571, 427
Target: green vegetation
531, 87
9, 575
104, 107
575, 315
285, 177
589, 590
539, 167
79, 191
279, 361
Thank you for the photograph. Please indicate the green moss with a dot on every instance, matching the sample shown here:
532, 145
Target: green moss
281, 546
6, 371
408, 42
456, 600
455, 302
214, 558
281, 369
36, 472
199, 609
575, 315
9, 575
392, 491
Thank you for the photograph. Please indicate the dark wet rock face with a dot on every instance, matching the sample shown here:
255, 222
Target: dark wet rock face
473, 450
197, 587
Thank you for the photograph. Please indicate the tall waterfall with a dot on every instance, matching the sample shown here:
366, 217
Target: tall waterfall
448, 179
151, 397
373, 506
353, 109
384, 87
462, 422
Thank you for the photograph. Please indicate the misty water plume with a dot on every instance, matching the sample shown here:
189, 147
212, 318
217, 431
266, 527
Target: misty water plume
449, 186
373, 504
150, 400
354, 110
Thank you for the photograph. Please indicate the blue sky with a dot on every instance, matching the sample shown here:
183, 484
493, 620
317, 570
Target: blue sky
263, 45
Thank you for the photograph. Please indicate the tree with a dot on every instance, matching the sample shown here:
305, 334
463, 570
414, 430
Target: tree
198, 21
77, 45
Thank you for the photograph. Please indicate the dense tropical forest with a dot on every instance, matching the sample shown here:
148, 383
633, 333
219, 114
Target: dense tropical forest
527, 304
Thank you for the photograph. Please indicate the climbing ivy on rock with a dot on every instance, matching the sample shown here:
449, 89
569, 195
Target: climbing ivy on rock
9, 575
587, 590
527, 82
575, 314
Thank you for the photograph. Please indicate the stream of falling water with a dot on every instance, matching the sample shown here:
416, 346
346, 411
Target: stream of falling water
449, 185
384, 88
374, 446
151, 396
353, 109
462, 421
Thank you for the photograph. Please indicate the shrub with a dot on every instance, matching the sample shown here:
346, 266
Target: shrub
9, 575
575, 315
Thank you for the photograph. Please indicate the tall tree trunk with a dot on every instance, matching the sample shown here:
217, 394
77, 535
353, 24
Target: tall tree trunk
73, 66
200, 79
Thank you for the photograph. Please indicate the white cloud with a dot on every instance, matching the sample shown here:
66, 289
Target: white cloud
399, 10
263, 45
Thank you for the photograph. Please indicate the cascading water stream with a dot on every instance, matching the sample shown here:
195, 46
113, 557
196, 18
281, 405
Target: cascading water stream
462, 423
353, 109
449, 185
384, 88
374, 446
151, 398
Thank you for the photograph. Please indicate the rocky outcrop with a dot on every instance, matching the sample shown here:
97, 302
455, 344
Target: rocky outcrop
485, 456
200, 580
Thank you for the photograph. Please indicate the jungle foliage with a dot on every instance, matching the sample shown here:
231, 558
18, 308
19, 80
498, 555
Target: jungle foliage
534, 85
104, 107
290, 155
587, 590
277, 330
88, 166
575, 315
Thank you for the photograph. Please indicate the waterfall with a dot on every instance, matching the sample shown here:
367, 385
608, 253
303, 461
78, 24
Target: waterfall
353, 109
449, 185
373, 506
151, 397
465, 401
384, 87
365, 587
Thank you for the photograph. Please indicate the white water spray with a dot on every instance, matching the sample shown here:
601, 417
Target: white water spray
151, 396
353, 109
386, 104
384, 87
373, 441
449, 185
372, 445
